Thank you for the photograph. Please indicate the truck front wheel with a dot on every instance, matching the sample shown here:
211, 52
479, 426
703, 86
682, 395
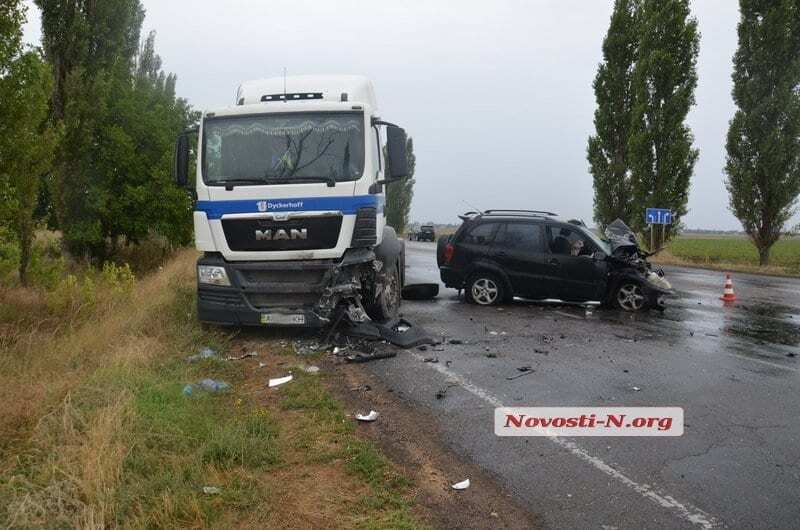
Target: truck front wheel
386, 304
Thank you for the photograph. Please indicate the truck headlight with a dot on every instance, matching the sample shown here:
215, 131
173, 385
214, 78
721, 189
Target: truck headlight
213, 275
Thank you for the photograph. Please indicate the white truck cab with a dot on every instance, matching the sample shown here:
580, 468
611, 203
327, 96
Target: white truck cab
289, 212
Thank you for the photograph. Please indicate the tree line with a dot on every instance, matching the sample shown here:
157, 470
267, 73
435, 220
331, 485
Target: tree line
641, 154
87, 128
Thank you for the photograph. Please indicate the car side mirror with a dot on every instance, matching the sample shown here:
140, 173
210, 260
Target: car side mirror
181, 169
397, 162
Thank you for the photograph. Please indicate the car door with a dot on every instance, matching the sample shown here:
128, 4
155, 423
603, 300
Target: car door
519, 247
475, 245
575, 275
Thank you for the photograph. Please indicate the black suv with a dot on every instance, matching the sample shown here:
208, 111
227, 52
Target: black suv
499, 254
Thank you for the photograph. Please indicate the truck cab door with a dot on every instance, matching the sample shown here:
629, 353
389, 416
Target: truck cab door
519, 248
575, 275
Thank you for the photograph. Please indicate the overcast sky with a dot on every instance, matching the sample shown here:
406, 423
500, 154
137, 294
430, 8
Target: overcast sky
497, 95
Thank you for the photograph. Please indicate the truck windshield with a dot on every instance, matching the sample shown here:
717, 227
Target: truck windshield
284, 148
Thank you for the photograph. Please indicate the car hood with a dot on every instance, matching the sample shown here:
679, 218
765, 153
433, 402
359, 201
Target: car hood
619, 235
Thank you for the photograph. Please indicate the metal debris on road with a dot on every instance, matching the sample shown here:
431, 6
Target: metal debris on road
280, 380
372, 416
636, 389
525, 370
430, 360
441, 393
367, 357
420, 291
464, 484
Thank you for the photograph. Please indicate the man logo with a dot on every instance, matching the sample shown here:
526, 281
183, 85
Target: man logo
281, 234
262, 206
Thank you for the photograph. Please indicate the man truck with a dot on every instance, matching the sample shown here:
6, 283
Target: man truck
289, 191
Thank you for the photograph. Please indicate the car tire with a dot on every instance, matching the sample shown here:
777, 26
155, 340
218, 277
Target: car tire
386, 305
485, 288
629, 296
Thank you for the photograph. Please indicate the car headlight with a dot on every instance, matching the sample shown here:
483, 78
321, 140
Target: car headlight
213, 275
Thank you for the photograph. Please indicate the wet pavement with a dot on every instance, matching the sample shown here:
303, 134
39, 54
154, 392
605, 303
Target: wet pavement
732, 368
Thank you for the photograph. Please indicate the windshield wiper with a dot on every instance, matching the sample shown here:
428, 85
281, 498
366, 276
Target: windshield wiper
230, 183
330, 180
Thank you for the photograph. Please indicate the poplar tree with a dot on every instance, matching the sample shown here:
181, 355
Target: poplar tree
661, 154
607, 151
400, 194
763, 145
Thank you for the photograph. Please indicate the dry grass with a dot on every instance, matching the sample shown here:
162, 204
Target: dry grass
666, 258
95, 431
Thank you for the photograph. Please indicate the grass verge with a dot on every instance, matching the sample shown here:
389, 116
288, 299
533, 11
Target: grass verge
96, 431
734, 254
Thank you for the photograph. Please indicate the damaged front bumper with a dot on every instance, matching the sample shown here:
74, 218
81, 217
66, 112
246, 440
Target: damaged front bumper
278, 293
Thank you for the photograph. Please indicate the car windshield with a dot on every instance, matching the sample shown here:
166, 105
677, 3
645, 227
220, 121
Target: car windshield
281, 148
597, 240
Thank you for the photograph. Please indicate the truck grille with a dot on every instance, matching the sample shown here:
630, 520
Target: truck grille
309, 233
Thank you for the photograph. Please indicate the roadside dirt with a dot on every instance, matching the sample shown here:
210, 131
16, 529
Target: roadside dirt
411, 440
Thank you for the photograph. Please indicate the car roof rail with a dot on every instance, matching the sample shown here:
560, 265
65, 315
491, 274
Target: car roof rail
469, 215
518, 212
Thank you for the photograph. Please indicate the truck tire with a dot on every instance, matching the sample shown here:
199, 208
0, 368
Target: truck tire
386, 304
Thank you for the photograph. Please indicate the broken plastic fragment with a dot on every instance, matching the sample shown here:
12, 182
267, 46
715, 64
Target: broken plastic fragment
311, 369
372, 416
636, 389
205, 353
279, 381
211, 490
213, 386
242, 356
464, 484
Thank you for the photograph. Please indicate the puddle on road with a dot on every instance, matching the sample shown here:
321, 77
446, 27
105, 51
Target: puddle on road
765, 323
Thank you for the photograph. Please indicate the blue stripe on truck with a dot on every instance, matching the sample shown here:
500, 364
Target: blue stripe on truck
346, 205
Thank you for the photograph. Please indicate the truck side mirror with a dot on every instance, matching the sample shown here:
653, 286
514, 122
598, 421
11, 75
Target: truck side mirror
397, 162
181, 169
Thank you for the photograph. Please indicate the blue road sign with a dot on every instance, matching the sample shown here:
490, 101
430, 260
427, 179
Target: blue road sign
658, 216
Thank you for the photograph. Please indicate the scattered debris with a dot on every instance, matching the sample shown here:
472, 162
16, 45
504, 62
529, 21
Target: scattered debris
493, 333
360, 357
262, 365
491, 355
464, 484
280, 380
205, 353
430, 360
420, 291
541, 352
455, 342
362, 388
636, 389
243, 356
311, 369
423, 348
791, 354
213, 385
547, 339
303, 347
400, 333
372, 416
525, 370
440, 394
211, 490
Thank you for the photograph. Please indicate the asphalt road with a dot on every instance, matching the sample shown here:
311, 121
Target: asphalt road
733, 370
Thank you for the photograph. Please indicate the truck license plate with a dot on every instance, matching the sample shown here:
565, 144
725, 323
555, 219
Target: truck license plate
283, 319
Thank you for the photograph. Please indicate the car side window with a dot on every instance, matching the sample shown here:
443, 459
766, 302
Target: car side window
568, 242
481, 234
521, 236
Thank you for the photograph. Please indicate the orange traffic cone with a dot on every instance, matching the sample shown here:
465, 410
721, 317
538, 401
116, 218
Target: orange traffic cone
728, 295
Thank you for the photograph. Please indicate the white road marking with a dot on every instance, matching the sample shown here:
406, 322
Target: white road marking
685, 511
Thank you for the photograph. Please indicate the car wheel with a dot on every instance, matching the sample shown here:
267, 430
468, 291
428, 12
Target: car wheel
630, 297
484, 288
386, 305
